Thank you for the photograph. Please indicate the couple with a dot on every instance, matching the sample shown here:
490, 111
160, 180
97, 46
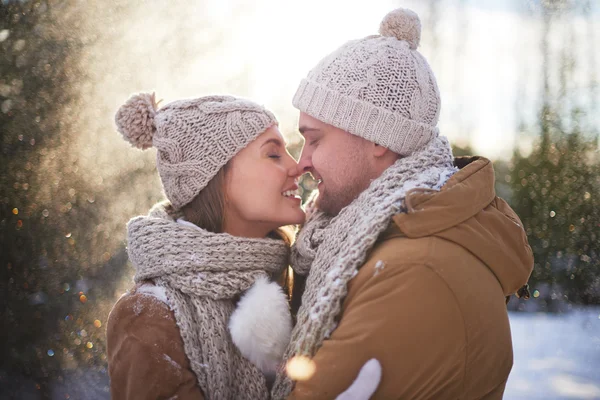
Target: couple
407, 257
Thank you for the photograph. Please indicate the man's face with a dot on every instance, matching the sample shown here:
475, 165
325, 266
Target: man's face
337, 158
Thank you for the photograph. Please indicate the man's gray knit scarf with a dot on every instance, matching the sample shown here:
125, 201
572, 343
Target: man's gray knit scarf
333, 249
202, 272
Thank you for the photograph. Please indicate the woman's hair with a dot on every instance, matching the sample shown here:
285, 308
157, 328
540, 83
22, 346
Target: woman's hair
206, 210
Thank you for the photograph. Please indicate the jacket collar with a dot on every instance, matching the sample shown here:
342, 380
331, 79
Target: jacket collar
465, 194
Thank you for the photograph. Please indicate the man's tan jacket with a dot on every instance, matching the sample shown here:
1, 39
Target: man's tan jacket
429, 303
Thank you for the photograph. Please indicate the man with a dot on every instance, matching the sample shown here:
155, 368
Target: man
410, 252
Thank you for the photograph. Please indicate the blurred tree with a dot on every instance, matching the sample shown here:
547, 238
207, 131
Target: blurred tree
555, 188
53, 243
65, 193
555, 192
460, 151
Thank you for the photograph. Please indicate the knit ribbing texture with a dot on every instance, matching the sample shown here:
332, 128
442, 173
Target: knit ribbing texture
194, 138
379, 87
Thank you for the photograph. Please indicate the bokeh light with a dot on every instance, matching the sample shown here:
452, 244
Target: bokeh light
300, 368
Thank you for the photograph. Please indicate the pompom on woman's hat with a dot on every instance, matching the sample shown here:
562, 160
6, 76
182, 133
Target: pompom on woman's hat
194, 138
379, 87
135, 120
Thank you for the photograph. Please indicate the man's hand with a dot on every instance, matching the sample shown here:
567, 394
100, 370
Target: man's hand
365, 383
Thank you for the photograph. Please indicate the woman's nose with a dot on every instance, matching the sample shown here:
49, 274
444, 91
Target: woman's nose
294, 171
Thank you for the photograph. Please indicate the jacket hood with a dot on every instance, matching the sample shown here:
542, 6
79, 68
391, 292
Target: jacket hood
467, 212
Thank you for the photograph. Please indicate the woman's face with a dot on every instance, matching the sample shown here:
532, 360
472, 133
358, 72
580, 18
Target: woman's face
261, 190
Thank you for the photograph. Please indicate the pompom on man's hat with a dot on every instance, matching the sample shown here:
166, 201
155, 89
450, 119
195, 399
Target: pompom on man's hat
403, 24
379, 87
194, 138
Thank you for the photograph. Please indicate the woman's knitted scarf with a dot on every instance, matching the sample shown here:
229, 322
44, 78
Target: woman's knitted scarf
332, 249
202, 274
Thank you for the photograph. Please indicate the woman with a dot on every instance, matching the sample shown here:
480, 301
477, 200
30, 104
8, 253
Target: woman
230, 185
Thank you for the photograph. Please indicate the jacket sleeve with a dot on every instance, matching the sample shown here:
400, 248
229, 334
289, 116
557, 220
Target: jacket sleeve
146, 357
401, 313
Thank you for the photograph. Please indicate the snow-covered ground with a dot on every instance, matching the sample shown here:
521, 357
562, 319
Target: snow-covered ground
557, 356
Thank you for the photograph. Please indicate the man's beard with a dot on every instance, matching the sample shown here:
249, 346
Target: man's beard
333, 203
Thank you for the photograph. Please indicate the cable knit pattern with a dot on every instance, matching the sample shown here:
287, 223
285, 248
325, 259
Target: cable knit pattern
194, 138
380, 87
201, 273
335, 248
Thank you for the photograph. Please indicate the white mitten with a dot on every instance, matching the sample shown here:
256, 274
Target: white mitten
261, 325
365, 383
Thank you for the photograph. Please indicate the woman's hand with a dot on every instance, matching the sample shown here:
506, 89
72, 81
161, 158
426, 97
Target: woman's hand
365, 384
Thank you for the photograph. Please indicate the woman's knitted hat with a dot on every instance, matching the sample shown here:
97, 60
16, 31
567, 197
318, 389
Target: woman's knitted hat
194, 138
379, 87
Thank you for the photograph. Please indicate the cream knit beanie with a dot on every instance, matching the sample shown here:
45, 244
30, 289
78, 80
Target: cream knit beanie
194, 138
379, 87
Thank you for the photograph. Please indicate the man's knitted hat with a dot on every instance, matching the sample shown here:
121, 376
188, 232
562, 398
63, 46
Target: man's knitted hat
379, 87
194, 138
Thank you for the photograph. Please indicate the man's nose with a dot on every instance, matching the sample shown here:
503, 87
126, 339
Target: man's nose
305, 162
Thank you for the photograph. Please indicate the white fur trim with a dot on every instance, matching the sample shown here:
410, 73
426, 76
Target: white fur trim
261, 325
154, 291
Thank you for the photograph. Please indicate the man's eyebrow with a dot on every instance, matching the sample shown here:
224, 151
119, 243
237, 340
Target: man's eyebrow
275, 141
304, 129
